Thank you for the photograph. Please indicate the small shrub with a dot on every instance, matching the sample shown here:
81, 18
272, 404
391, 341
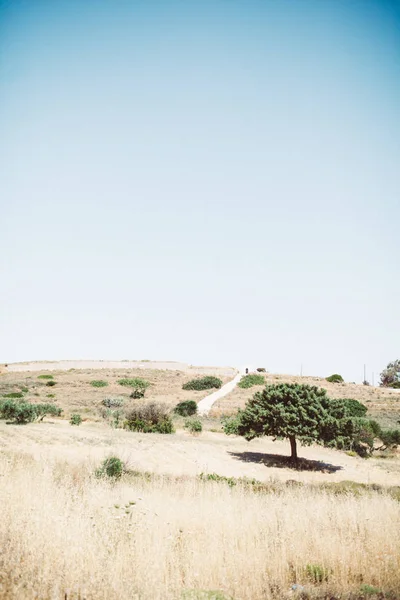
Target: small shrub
51, 383
99, 383
149, 418
50, 395
335, 378
317, 573
261, 370
187, 408
112, 467
249, 380
14, 395
230, 424
25, 412
75, 419
113, 402
45, 377
139, 386
204, 383
25, 390
134, 382
193, 425
19, 412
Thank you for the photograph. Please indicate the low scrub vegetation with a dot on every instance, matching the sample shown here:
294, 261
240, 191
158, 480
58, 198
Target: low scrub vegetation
25, 412
98, 383
51, 383
203, 383
14, 395
111, 467
75, 419
152, 417
45, 377
335, 378
193, 425
138, 386
250, 380
187, 408
113, 402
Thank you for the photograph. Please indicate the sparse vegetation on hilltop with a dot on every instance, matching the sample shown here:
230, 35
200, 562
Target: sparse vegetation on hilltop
99, 383
335, 378
250, 380
204, 383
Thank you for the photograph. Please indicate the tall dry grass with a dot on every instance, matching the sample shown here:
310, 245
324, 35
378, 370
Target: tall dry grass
65, 534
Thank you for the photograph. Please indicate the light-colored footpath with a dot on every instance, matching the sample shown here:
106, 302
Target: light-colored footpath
205, 405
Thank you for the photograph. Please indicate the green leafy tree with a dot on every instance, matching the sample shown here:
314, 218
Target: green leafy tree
390, 377
296, 412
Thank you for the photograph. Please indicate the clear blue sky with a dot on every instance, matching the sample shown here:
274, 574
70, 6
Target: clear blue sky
213, 181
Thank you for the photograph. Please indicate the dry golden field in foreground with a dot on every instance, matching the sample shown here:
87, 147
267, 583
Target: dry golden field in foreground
66, 534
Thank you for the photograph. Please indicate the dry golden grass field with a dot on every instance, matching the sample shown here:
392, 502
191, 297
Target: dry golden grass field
168, 528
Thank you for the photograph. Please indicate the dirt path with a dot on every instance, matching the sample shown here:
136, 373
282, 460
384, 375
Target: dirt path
205, 405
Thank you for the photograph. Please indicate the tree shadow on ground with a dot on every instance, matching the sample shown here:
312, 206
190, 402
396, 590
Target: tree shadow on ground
284, 462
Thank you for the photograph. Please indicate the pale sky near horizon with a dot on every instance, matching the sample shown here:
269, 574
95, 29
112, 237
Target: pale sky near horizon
211, 181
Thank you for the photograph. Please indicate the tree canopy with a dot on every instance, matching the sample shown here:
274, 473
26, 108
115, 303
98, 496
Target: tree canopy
301, 413
390, 377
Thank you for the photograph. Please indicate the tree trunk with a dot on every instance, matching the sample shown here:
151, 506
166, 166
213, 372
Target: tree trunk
293, 447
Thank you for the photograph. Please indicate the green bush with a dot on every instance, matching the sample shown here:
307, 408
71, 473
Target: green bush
249, 380
50, 395
193, 425
114, 417
138, 385
99, 383
335, 378
354, 408
14, 395
113, 402
45, 377
24, 412
230, 424
51, 383
112, 467
149, 418
134, 382
187, 408
75, 419
204, 383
